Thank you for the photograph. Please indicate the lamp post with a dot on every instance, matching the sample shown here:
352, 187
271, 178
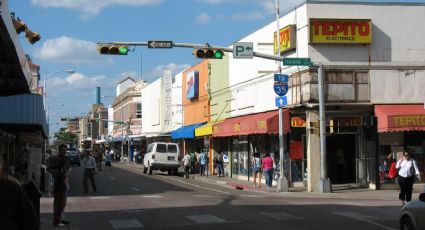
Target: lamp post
69, 71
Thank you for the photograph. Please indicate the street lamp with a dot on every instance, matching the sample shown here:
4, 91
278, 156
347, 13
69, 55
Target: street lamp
69, 71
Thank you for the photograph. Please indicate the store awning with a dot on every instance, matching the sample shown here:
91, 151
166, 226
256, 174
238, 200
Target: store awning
260, 123
187, 131
207, 129
398, 118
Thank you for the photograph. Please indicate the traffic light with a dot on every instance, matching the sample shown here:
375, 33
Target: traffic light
112, 49
208, 53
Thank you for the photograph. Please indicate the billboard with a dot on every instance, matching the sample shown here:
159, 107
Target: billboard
340, 31
287, 39
192, 85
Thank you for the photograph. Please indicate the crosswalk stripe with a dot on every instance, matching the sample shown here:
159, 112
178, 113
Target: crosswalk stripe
99, 197
281, 216
151, 196
253, 196
205, 219
201, 196
362, 217
121, 224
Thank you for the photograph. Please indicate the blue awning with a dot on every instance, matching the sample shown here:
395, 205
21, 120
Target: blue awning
187, 131
23, 109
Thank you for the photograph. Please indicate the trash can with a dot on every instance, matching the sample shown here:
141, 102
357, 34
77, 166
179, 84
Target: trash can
34, 195
139, 158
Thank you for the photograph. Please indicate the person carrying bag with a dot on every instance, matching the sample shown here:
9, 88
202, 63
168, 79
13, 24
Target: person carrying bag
407, 168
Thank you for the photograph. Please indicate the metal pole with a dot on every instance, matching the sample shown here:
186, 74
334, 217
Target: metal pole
122, 134
324, 185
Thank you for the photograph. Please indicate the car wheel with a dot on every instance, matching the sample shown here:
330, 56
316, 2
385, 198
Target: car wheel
406, 224
144, 169
175, 172
170, 172
149, 169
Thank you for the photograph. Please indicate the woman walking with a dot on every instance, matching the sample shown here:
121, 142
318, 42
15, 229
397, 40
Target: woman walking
256, 163
267, 166
407, 168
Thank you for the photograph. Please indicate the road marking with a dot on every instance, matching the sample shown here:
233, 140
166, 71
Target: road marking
201, 196
198, 186
99, 197
135, 189
121, 224
362, 217
151, 196
253, 196
281, 215
205, 219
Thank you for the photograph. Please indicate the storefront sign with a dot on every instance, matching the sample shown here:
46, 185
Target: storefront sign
30, 137
261, 124
237, 127
287, 39
345, 121
342, 31
297, 122
192, 83
397, 121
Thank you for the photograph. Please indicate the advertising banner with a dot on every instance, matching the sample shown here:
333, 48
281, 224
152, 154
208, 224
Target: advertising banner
287, 39
341, 31
192, 85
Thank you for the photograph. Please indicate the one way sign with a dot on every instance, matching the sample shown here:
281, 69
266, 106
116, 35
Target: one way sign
243, 50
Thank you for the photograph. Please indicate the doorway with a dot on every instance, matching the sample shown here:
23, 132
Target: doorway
341, 158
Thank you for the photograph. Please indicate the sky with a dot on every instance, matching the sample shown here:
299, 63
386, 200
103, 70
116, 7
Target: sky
69, 31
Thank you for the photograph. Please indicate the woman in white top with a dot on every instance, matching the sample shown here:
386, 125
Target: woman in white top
407, 168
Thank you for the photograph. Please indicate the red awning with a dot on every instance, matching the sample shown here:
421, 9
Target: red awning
398, 118
260, 123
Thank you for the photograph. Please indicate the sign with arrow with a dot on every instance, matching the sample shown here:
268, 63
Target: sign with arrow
160, 44
281, 101
243, 50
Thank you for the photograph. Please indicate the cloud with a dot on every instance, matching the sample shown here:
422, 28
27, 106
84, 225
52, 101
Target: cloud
90, 8
159, 70
248, 16
78, 81
71, 50
203, 18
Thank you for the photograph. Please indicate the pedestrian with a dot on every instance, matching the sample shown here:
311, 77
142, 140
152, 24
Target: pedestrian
267, 166
89, 165
407, 168
108, 161
58, 166
220, 166
186, 164
203, 161
17, 211
256, 163
99, 159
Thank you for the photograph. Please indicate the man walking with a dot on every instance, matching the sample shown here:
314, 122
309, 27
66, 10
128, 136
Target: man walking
58, 166
203, 161
89, 165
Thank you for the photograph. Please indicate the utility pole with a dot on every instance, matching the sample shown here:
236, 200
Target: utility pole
282, 183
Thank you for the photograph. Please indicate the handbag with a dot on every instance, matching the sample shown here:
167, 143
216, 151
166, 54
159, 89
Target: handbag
393, 172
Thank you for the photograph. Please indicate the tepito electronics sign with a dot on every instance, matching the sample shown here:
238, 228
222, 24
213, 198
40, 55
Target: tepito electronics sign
341, 31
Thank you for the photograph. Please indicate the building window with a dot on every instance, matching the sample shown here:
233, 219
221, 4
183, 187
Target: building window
139, 110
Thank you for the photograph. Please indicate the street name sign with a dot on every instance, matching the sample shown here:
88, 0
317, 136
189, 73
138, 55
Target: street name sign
281, 101
160, 44
243, 50
297, 61
281, 77
280, 88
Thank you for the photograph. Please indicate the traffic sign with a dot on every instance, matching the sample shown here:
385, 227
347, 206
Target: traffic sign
281, 77
297, 61
280, 88
281, 101
160, 44
243, 50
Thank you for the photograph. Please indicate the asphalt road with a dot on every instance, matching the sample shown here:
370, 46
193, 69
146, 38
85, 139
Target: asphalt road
128, 199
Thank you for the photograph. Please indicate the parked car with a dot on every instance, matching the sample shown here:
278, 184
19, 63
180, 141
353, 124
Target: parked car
73, 157
412, 214
162, 156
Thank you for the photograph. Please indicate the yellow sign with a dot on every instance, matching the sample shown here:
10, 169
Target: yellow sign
341, 31
261, 124
237, 127
286, 39
397, 121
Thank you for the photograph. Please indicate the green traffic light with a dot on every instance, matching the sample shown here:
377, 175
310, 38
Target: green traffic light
218, 54
123, 50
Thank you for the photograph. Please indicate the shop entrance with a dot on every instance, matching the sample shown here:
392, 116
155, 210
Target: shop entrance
341, 158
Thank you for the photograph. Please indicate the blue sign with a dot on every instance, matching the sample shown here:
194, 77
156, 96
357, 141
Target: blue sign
281, 77
281, 101
280, 88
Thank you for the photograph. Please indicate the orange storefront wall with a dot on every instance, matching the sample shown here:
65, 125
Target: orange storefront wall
196, 110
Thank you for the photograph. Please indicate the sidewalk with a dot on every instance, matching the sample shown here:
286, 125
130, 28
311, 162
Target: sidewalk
339, 193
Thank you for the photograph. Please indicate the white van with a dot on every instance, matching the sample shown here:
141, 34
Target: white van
162, 156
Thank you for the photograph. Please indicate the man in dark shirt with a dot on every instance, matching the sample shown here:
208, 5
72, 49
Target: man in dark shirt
16, 209
58, 166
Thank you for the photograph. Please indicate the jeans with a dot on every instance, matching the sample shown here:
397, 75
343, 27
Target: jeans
89, 175
268, 174
220, 169
59, 203
202, 169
